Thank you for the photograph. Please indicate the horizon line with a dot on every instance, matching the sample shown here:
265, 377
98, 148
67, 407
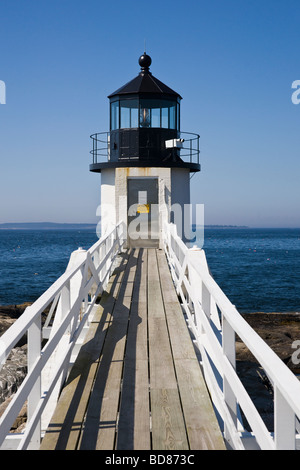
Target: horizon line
96, 223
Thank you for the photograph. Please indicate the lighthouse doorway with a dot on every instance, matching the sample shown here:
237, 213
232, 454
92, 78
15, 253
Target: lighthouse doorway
143, 212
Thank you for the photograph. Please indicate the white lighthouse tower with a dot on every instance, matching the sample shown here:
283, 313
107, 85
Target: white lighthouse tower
145, 161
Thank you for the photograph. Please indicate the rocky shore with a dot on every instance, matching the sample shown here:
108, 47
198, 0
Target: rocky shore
278, 330
14, 370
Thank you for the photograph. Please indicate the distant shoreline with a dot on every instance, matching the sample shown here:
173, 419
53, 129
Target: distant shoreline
93, 226
46, 226
61, 226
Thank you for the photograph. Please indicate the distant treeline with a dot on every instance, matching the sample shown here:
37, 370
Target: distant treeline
219, 226
46, 226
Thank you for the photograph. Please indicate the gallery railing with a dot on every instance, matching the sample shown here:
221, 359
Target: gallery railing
216, 323
188, 148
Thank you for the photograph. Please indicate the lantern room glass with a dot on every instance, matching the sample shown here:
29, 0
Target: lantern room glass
144, 113
114, 115
128, 114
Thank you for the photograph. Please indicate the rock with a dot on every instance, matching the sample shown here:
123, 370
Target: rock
279, 331
13, 372
9, 314
20, 422
12, 312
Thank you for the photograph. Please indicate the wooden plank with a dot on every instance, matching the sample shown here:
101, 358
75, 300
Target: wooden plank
167, 285
65, 426
201, 423
155, 303
137, 330
134, 417
168, 428
99, 428
162, 374
123, 302
100, 425
113, 364
182, 346
181, 343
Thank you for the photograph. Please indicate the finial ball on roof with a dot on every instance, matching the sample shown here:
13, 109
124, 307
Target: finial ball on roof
145, 61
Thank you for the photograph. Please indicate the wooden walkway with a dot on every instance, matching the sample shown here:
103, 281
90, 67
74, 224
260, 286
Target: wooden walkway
136, 383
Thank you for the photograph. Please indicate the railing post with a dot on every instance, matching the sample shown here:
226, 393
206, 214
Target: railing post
106, 253
116, 241
96, 259
108, 145
102, 253
33, 354
71, 290
205, 300
93, 149
96, 148
228, 344
85, 301
196, 293
110, 246
118, 238
284, 422
65, 302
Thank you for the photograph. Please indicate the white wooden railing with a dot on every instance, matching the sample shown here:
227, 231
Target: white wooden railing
215, 322
71, 301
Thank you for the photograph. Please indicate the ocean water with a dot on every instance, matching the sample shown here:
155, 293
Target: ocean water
258, 269
31, 260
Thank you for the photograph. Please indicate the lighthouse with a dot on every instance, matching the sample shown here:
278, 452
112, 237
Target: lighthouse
145, 161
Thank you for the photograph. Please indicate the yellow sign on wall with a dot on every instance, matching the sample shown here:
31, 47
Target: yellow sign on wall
143, 208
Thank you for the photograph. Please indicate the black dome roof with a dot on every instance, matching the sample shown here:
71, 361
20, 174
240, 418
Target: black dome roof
145, 82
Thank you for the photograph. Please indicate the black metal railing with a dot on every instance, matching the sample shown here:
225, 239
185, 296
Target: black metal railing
101, 147
189, 147
190, 150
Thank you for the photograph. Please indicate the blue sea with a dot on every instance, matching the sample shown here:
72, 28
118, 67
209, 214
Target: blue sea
258, 269
31, 260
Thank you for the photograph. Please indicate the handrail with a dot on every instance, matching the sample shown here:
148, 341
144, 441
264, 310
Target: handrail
73, 297
102, 138
213, 319
215, 323
189, 151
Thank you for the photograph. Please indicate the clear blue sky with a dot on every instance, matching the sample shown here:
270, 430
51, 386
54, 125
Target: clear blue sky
233, 62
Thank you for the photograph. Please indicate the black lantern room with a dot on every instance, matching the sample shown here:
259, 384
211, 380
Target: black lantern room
145, 127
